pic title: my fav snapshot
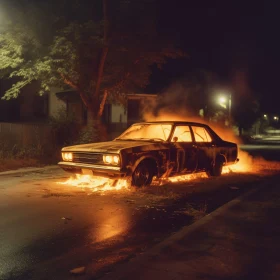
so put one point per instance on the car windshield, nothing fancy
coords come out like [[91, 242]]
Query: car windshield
[[154, 132]]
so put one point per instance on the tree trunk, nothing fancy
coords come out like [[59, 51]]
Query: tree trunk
[[104, 52], [95, 110], [95, 127]]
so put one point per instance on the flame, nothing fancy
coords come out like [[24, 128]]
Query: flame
[[96, 183], [179, 179], [245, 164], [100, 184]]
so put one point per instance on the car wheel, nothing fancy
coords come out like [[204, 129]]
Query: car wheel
[[142, 175], [216, 169]]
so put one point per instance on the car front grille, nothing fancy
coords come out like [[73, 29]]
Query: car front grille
[[89, 158]]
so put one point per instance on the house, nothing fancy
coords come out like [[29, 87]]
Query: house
[[28, 115], [116, 117]]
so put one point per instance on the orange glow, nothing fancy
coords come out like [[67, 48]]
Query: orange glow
[[245, 163], [100, 184], [179, 179], [97, 184]]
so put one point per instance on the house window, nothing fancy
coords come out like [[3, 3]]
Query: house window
[[133, 110]]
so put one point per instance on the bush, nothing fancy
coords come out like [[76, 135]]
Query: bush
[[87, 135], [65, 129]]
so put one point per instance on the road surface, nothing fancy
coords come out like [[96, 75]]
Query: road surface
[[48, 228]]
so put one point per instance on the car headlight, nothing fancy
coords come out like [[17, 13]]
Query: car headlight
[[67, 156], [111, 159]]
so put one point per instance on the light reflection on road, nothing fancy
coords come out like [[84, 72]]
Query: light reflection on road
[[112, 226]]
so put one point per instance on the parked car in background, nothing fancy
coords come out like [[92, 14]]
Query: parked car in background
[[149, 149]]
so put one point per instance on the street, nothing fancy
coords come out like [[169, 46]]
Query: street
[[48, 227]]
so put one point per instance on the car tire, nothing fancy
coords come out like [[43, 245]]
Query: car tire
[[216, 168], [142, 175]]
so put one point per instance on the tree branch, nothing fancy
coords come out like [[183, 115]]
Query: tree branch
[[101, 108], [74, 86]]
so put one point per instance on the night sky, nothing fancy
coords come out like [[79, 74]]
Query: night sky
[[224, 37], [229, 36]]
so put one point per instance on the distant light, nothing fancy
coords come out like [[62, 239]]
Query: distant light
[[222, 99], [265, 116], [276, 118]]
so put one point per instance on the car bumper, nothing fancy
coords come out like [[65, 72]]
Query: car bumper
[[97, 170]]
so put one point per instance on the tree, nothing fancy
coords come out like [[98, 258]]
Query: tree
[[101, 59], [245, 109], [246, 114]]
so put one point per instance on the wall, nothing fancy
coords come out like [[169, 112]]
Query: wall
[[118, 114], [55, 104]]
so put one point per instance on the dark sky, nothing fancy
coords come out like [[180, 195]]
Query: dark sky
[[227, 37], [222, 36]]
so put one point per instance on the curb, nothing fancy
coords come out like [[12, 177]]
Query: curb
[[28, 170], [138, 262]]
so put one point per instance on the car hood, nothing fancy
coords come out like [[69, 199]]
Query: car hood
[[112, 146]]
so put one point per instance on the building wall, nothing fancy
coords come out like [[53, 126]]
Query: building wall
[[137, 104], [55, 105], [118, 114]]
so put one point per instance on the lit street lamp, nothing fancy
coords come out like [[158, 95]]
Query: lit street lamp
[[225, 102]]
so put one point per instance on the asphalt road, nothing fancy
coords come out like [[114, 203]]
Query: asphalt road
[[268, 152], [48, 229]]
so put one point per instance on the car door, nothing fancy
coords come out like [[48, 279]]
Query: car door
[[184, 152], [205, 146]]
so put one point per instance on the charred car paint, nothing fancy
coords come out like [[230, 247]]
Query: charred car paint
[[151, 149]]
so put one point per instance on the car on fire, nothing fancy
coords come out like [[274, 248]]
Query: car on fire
[[150, 149]]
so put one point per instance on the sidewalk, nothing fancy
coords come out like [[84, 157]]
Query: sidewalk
[[29, 169], [240, 240]]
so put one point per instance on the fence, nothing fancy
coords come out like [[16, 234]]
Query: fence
[[24, 134]]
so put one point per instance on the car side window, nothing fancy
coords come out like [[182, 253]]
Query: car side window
[[201, 134], [182, 133]]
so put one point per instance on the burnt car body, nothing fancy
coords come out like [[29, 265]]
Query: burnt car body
[[149, 149]]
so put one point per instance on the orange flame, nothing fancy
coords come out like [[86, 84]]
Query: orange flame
[[97, 184], [100, 184]]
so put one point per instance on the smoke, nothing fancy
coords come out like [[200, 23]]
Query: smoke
[[174, 105]]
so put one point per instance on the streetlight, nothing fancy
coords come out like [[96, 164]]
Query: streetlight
[[225, 102]]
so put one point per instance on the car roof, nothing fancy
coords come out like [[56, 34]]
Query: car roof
[[173, 122]]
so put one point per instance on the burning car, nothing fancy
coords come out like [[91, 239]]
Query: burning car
[[149, 149]]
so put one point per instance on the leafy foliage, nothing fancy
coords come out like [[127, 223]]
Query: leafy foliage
[[125, 42]]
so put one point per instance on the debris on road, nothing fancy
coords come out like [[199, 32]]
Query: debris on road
[[66, 219], [78, 270]]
